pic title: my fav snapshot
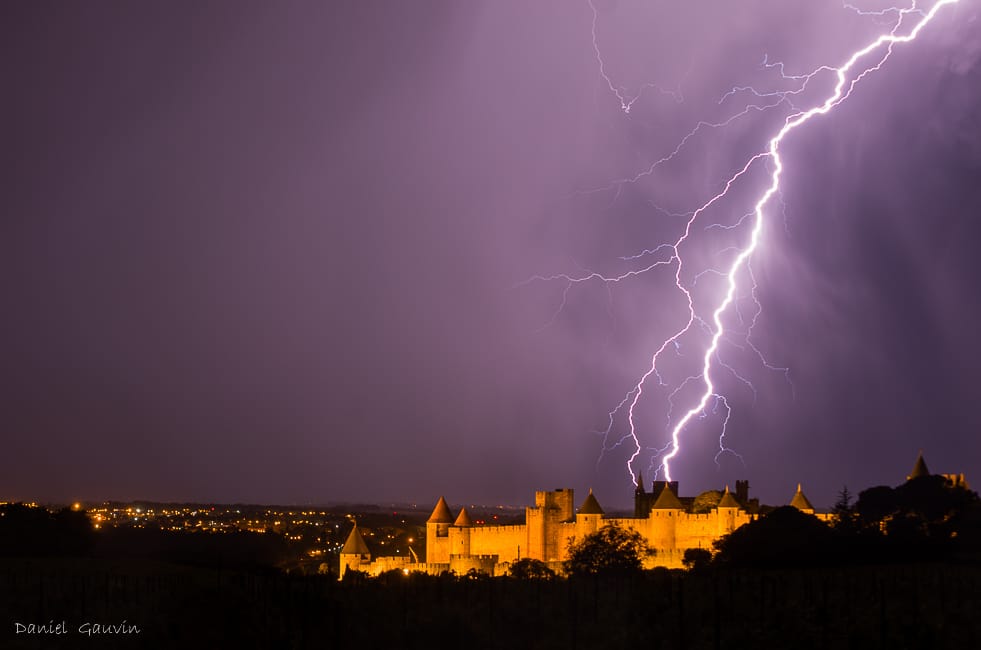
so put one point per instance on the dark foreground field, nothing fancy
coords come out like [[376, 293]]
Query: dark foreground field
[[916, 606]]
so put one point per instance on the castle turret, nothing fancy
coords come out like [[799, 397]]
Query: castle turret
[[438, 532], [355, 552], [950, 480], [664, 515], [460, 535], [919, 468], [659, 486], [728, 501], [801, 502], [542, 520], [642, 500], [667, 500], [742, 491], [589, 516], [463, 520], [728, 508]]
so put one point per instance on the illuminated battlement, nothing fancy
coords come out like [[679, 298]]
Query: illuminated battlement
[[671, 525]]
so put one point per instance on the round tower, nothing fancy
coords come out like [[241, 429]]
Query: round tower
[[801, 502], [437, 533], [665, 512], [727, 509], [460, 535], [919, 468], [589, 517], [355, 553]]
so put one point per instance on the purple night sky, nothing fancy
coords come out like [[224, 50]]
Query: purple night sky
[[275, 253]]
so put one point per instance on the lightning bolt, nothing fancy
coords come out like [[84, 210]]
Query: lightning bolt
[[626, 100], [842, 90], [847, 75]]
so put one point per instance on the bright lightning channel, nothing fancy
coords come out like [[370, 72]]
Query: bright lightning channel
[[842, 90], [669, 253]]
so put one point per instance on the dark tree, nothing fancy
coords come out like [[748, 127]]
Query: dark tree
[[706, 502], [784, 538], [474, 574], [931, 499], [696, 559], [354, 577], [609, 550], [392, 576], [845, 518], [875, 504], [34, 531], [924, 507], [530, 569]]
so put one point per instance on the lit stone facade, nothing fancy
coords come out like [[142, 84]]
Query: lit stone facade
[[669, 524], [455, 544]]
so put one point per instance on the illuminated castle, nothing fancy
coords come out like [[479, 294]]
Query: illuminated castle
[[671, 525]]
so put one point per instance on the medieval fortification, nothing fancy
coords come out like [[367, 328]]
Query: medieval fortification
[[670, 524]]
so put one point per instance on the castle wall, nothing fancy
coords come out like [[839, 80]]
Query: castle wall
[[564, 534], [661, 529], [459, 540], [432, 568], [561, 500], [382, 564], [386, 563], [671, 532], [438, 543], [550, 525], [507, 542], [480, 563], [587, 525], [352, 562], [551, 509], [701, 531]]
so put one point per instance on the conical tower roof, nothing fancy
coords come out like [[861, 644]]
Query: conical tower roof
[[463, 519], [800, 501], [355, 543], [441, 513], [590, 506], [728, 501], [919, 468], [667, 500]]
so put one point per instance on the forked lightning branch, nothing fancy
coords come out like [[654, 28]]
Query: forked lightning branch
[[903, 25]]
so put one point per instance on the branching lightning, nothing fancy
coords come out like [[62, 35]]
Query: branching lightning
[[626, 100], [903, 26]]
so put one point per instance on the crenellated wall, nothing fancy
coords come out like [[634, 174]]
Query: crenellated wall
[[548, 532], [507, 542], [461, 565], [552, 510], [551, 524]]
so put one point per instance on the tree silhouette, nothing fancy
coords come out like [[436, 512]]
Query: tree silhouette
[[611, 549], [786, 537], [696, 559], [924, 507], [530, 569], [706, 502], [29, 530], [876, 504], [845, 518]]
